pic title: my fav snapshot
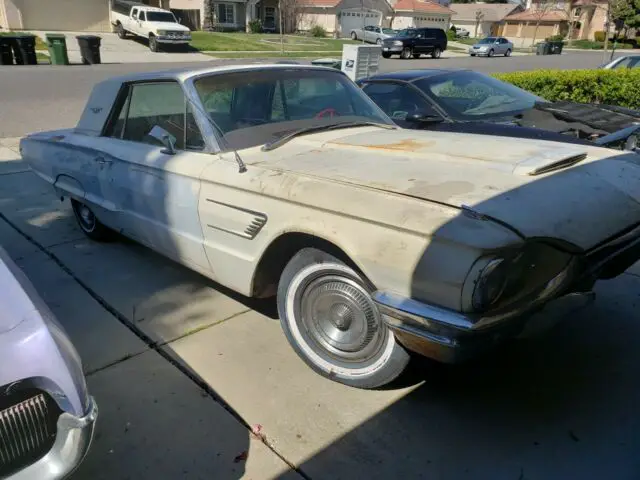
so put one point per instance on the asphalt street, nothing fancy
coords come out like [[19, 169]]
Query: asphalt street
[[45, 97]]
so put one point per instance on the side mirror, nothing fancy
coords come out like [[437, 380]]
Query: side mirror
[[424, 118], [165, 138]]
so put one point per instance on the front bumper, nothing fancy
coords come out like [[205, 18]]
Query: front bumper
[[391, 49], [73, 439], [173, 40], [479, 53], [452, 337]]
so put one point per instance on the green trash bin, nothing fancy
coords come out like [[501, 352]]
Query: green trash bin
[[57, 46]]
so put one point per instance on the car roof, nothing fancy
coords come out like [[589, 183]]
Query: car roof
[[185, 73], [412, 75]]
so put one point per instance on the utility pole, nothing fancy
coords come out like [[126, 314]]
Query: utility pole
[[607, 23], [281, 27]]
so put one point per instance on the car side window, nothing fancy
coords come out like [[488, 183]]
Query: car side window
[[134, 13], [160, 104], [397, 100], [142, 16], [635, 62]]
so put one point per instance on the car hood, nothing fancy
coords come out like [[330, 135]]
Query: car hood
[[16, 303], [170, 26], [580, 194]]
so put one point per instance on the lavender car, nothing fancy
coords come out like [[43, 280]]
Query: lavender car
[[46, 415]]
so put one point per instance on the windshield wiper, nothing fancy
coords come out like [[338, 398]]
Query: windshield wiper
[[278, 142]]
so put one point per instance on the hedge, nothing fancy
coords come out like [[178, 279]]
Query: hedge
[[611, 87]]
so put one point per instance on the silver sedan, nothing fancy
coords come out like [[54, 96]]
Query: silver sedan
[[490, 46], [627, 61], [372, 34]]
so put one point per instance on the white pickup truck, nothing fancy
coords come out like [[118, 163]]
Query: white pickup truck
[[159, 26]]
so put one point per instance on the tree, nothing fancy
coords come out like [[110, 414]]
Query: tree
[[208, 21], [541, 9], [479, 18], [627, 12]]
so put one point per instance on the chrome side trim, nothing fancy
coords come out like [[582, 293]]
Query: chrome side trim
[[71, 445], [258, 221]]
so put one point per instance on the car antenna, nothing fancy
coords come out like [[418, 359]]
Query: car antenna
[[242, 167]]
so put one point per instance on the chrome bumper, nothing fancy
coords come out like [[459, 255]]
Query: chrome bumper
[[174, 40], [69, 449], [452, 337]]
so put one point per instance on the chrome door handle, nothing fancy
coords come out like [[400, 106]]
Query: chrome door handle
[[103, 161]]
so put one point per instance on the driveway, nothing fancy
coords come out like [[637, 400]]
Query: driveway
[[130, 50]]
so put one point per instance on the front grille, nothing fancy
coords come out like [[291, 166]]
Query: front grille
[[27, 429]]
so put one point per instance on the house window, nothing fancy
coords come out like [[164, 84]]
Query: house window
[[226, 13], [577, 11]]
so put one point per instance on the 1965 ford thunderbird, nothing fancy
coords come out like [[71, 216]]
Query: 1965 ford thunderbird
[[287, 181]]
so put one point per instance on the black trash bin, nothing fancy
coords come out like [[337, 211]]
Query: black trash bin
[[556, 47], [543, 48], [24, 48], [90, 49], [6, 51]]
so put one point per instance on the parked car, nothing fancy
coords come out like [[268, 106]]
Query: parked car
[[626, 61], [461, 32], [372, 34], [490, 46], [160, 27], [464, 101], [287, 181], [46, 414], [413, 42]]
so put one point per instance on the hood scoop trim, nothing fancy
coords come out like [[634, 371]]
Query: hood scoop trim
[[548, 163]]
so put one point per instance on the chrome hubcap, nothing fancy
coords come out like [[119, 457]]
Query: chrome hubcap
[[86, 217], [340, 318]]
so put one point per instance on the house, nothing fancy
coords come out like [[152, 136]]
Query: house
[[62, 15], [583, 17], [340, 17], [489, 18]]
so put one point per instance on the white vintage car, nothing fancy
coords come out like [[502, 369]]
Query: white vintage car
[[288, 181]]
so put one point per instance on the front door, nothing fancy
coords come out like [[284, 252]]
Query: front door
[[157, 192]]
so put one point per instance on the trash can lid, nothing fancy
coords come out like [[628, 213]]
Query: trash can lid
[[88, 37], [55, 35]]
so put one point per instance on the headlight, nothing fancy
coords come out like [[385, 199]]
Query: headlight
[[162, 33], [482, 48], [506, 277], [397, 43]]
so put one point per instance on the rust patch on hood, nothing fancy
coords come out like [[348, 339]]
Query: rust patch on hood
[[408, 145]]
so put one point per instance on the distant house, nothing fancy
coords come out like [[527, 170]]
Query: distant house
[[489, 18], [340, 17], [585, 16]]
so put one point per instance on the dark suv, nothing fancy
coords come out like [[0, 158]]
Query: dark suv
[[414, 42]]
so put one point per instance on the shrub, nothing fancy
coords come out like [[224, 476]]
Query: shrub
[[255, 26], [555, 38], [612, 87], [318, 31], [451, 34], [598, 36]]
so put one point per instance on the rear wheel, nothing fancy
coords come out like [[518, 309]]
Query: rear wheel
[[89, 223], [122, 34], [436, 52], [386, 55], [333, 324], [406, 53], [507, 53]]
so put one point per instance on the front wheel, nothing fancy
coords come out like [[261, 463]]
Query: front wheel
[[436, 53], [89, 223], [379, 41], [153, 43], [354, 36], [406, 53], [507, 53], [333, 324], [491, 52]]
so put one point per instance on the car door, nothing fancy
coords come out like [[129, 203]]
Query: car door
[[429, 40], [155, 191], [368, 34], [134, 23]]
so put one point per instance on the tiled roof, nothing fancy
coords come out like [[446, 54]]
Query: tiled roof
[[492, 12], [319, 3], [421, 6], [533, 16]]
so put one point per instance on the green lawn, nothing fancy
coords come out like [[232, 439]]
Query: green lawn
[[40, 45], [221, 42]]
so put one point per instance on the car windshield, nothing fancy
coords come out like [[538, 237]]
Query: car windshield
[[256, 107], [160, 17], [484, 41], [407, 33], [474, 96]]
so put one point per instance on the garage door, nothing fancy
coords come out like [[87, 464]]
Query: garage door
[[352, 19], [70, 15]]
